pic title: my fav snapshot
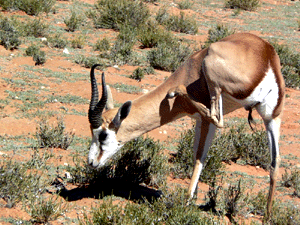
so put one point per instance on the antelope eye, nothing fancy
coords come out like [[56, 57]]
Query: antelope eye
[[102, 137]]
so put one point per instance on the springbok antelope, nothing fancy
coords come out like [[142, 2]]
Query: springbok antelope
[[241, 70]]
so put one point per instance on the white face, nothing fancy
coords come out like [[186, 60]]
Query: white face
[[104, 146]]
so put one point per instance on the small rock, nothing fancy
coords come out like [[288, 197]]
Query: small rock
[[66, 51], [68, 175], [145, 91]]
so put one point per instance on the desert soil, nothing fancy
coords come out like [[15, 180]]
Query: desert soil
[[13, 124]]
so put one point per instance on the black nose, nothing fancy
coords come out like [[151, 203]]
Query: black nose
[[90, 164]]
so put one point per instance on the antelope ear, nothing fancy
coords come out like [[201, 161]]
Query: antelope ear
[[110, 100], [122, 113]]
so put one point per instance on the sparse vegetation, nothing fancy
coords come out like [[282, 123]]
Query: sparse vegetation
[[88, 62], [39, 57], [139, 161], [185, 4], [217, 33], [57, 41], [249, 5], [44, 210], [122, 50], [74, 21], [168, 55], [16, 183], [151, 35], [180, 23], [113, 14], [138, 74], [35, 28], [236, 143], [233, 198], [292, 180], [31, 7], [9, 35], [169, 209], [144, 35], [290, 65], [78, 41], [53, 136], [102, 45]]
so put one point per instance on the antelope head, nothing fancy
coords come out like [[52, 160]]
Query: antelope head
[[104, 126]]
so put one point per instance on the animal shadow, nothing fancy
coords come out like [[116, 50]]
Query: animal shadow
[[107, 187]]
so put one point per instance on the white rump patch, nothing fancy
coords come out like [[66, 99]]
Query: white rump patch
[[266, 93]]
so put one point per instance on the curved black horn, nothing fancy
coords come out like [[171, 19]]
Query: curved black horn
[[96, 108]]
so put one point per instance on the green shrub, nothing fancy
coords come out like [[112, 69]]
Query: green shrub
[[17, 183], [39, 57], [233, 197], [182, 24], [258, 203], [56, 136], [31, 7], [149, 70], [102, 45], [138, 74], [35, 27], [122, 51], [139, 161], [74, 21], [240, 143], [35, 7], [9, 35], [151, 35], [217, 33], [112, 14], [57, 41], [8, 5], [168, 55], [249, 5], [292, 179], [290, 65], [235, 143], [78, 42], [142, 161], [184, 159], [88, 62], [32, 50], [177, 23], [43, 210], [185, 4], [285, 214], [151, 1], [212, 197], [170, 209]]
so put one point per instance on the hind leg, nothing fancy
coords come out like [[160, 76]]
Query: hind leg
[[273, 132]]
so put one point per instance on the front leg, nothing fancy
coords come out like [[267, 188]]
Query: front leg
[[204, 134], [198, 106]]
